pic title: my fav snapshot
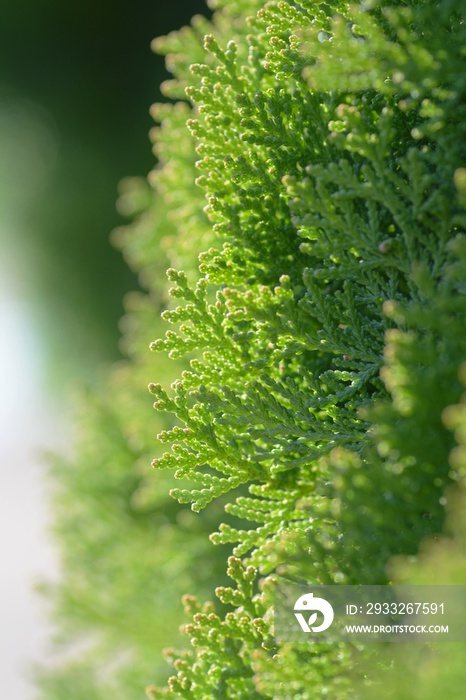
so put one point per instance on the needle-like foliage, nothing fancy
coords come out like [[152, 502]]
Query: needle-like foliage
[[310, 204]]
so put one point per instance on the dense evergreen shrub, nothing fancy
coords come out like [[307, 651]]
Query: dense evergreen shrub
[[311, 215]]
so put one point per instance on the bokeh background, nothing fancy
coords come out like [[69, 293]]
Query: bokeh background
[[76, 83]]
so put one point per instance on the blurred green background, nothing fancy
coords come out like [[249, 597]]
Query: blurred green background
[[76, 84]]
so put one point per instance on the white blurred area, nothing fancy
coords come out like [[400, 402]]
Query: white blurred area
[[30, 423]]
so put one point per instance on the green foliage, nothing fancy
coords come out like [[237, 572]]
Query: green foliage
[[316, 341]]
